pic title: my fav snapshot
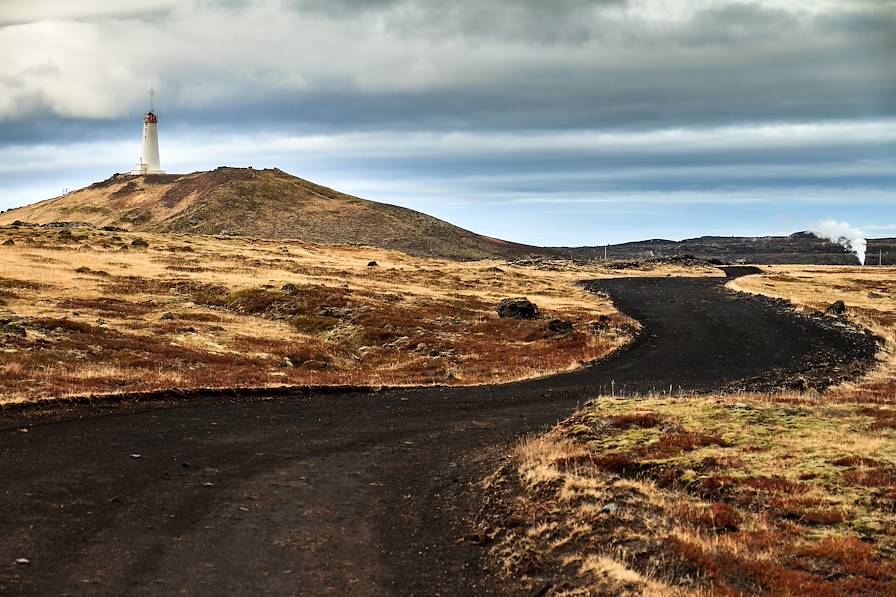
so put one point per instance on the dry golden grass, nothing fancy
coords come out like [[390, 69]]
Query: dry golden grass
[[869, 294], [100, 315], [785, 494], [705, 495]]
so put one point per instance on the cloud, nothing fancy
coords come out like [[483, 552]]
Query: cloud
[[772, 104], [464, 65], [15, 11]]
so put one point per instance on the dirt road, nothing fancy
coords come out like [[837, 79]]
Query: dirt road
[[362, 494]]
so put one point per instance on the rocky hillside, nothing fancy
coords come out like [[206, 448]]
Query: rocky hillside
[[260, 203]]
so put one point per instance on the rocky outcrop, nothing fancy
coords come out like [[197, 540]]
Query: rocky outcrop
[[517, 308]]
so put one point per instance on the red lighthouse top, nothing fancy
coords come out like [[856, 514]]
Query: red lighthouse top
[[150, 117]]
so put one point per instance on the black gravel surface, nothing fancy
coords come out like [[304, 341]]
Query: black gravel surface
[[349, 494]]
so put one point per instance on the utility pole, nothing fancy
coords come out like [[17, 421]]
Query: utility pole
[[605, 252]]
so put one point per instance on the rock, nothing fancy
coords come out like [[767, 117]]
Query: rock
[[69, 225], [167, 315], [139, 242], [8, 242], [313, 365], [14, 329], [610, 508], [64, 233], [114, 229], [290, 288], [23, 562], [837, 308], [287, 363], [800, 384], [871, 295], [517, 308], [372, 264], [560, 327]]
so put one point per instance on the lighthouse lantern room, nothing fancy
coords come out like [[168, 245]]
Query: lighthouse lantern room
[[149, 161]]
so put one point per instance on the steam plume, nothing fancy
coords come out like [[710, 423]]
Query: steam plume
[[844, 235]]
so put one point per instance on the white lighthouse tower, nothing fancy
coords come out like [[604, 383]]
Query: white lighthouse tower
[[149, 161]]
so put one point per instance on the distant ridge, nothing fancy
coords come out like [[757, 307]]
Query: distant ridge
[[798, 248], [265, 203]]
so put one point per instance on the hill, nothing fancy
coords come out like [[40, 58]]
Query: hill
[[798, 248], [272, 204], [265, 203]]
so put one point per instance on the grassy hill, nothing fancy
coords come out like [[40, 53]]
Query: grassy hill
[[265, 203]]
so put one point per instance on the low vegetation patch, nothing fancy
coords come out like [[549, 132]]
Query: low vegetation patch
[[739, 494], [869, 295], [84, 313], [702, 495]]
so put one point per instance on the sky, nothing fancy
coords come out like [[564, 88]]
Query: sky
[[561, 122]]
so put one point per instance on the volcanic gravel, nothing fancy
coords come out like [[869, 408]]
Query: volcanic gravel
[[365, 493]]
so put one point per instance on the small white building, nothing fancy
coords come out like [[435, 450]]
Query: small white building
[[149, 161]]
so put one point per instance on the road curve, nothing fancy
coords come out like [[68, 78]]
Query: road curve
[[359, 494]]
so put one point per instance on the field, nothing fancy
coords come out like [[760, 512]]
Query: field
[[787, 494], [869, 294], [87, 311]]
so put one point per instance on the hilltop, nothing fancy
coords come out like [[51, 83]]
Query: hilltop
[[272, 204], [266, 203]]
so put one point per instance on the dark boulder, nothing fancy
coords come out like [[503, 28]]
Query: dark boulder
[[517, 308], [290, 288], [139, 242], [838, 308], [372, 264], [560, 327], [8, 242]]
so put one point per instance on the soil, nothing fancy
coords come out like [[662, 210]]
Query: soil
[[364, 493]]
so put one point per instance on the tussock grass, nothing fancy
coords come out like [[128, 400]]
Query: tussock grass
[[783, 494], [869, 294], [199, 311], [705, 495]]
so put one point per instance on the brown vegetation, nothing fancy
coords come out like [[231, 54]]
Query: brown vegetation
[[265, 203], [86, 312], [715, 495], [784, 494]]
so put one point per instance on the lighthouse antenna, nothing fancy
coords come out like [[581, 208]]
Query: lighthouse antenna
[[152, 92]]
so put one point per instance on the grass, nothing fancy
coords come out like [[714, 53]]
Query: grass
[[784, 494], [706, 494], [869, 294], [86, 312]]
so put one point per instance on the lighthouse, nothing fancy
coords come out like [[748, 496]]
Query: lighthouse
[[149, 161]]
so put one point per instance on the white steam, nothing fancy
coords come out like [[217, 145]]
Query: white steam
[[844, 235]]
